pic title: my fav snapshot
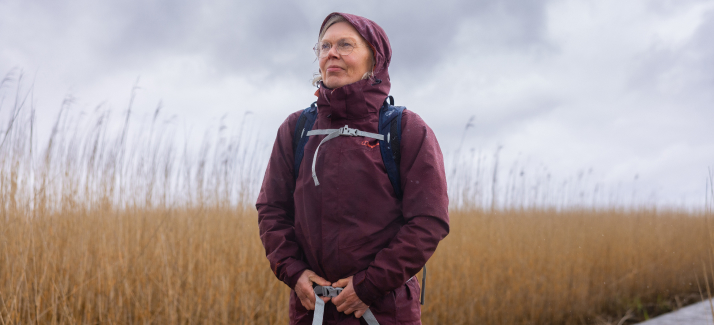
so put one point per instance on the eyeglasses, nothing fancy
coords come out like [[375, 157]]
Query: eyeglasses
[[344, 47]]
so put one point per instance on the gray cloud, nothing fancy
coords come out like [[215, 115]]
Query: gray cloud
[[422, 35], [275, 37]]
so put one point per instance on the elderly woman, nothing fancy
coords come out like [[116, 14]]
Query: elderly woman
[[351, 230]]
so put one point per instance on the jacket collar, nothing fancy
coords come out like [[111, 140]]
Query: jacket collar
[[358, 100]]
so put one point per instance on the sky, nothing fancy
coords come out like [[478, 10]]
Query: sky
[[619, 91]]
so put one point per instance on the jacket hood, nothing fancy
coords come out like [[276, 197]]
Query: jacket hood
[[363, 97]]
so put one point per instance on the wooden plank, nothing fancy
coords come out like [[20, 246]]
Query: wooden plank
[[696, 314]]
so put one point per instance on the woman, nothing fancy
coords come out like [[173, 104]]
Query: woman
[[351, 231]]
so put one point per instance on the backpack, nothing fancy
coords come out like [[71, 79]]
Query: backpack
[[390, 126]]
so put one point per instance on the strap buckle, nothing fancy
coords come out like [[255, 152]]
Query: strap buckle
[[347, 131], [327, 291]]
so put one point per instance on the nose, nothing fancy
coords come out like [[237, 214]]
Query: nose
[[332, 52]]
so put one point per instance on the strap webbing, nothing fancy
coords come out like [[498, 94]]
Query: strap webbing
[[333, 133], [369, 317], [347, 132], [320, 312]]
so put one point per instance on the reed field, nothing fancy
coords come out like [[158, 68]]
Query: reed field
[[104, 225]]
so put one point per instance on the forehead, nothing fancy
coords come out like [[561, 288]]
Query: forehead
[[341, 30]]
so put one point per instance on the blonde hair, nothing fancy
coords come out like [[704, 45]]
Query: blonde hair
[[317, 77]]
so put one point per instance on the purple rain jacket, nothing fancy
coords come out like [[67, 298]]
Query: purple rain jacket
[[352, 224]]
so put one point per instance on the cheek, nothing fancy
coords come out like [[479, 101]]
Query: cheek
[[353, 66], [361, 64]]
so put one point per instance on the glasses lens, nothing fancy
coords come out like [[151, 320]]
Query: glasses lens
[[322, 48], [344, 48], [316, 49]]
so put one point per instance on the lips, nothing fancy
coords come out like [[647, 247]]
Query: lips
[[334, 68]]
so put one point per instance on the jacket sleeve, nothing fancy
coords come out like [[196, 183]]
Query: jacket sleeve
[[276, 209], [425, 210]]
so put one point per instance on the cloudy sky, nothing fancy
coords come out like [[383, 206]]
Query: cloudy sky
[[623, 90]]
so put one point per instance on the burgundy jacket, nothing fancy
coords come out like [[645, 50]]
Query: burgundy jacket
[[352, 223]]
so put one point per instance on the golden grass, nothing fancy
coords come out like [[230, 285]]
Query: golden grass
[[207, 265], [138, 266], [574, 267]]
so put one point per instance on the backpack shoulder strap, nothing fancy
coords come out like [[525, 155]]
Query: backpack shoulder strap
[[304, 124], [390, 125]]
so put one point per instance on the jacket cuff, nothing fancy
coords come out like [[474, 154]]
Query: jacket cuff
[[365, 290], [293, 273]]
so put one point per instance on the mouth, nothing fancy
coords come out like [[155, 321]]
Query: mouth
[[334, 68]]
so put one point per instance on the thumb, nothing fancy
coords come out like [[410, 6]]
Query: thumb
[[319, 280], [341, 283]]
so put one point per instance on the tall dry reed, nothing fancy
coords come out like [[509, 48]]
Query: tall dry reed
[[160, 266], [574, 267]]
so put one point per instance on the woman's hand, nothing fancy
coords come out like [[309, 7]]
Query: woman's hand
[[304, 291], [347, 301]]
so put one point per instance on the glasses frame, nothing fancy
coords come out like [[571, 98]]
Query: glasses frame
[[340, 49]]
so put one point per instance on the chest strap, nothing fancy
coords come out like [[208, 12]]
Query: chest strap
[[328, 291], [333, 133]]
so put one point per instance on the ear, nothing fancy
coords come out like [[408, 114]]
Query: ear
[[374, 54]]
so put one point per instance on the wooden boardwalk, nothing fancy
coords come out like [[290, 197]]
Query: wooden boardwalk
[[696, 314]]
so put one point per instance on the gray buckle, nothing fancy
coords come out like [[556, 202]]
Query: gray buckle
[[327, 291], [348, 132]]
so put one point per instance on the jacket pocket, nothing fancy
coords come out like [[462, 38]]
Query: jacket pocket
[[384, 309], [407, 303], [297, 313]]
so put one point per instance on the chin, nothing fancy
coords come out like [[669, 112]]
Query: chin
[[333, 83]]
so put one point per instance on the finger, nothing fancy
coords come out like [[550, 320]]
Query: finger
[[341, 283], [341, 307], [325, 299], [306, 294], [319, 280], [339, 300], [306, 304], [359, 313]]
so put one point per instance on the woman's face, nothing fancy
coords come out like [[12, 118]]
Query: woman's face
[[338, 70]]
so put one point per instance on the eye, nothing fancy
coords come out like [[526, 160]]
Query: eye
[[344, 44], [325, 46]]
